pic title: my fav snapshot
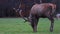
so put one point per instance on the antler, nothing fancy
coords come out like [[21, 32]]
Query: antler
[[26, 19]]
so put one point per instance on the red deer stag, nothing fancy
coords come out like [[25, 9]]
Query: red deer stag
[[43, 10]]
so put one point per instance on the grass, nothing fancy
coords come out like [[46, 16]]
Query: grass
[[17, 26]]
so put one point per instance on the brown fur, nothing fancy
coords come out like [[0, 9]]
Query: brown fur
[[44, 10]]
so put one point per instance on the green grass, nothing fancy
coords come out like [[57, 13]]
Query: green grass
[[17, 26]]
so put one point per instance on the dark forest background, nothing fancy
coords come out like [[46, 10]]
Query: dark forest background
[[6, 6]]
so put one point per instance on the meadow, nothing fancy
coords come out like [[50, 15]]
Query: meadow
[[17, 26]]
